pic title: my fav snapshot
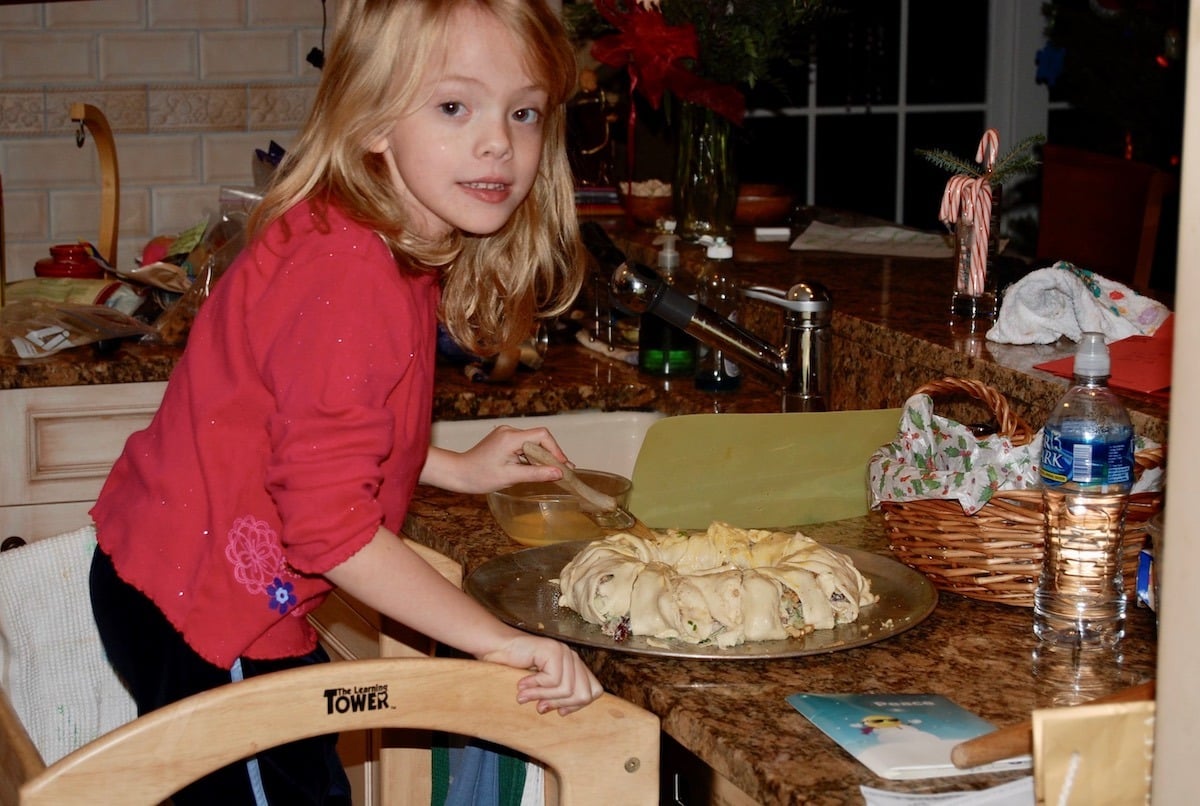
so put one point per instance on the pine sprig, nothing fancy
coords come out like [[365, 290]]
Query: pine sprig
[[949, 162], [1017, 160]]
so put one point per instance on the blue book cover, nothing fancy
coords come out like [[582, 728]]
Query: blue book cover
[[900, 736]]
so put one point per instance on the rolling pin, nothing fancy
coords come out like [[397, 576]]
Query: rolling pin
[[1017, 740]]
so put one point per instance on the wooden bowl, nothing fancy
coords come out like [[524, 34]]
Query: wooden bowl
[[762, 205], [647, 210]]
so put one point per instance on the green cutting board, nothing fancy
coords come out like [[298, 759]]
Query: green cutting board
[[757, 470]]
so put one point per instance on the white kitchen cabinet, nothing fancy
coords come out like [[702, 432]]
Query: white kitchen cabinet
[[57, 445]]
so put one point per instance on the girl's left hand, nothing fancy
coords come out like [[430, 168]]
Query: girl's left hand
[[560, 680], [494, 462]]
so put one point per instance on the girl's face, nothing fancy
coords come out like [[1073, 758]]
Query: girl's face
[[467, 156]]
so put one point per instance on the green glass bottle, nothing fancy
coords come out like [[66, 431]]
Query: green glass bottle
[[664, 349]]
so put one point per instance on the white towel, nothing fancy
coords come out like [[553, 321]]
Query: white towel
[[1065, 300], [52, 664]]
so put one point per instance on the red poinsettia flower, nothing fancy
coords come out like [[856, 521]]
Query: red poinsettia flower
[[655, 55]]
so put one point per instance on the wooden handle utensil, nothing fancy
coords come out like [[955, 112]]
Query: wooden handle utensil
[[1017, 740], [600, 505]]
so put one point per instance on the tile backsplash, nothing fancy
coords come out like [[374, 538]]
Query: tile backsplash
[[190, 89]]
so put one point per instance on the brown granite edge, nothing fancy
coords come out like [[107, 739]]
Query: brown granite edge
[[865, 362]]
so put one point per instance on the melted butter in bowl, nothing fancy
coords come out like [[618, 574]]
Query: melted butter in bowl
[[542, 513], [555, 526]]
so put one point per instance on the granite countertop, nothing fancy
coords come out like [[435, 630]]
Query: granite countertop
[[892, 329], [733, 714], [891, 334]]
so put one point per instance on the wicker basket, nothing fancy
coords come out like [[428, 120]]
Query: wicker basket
[[996, 554]]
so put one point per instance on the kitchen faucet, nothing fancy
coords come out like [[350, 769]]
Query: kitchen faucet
[[799, 366]]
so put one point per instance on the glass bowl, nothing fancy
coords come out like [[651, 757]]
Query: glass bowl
[[541, 513]]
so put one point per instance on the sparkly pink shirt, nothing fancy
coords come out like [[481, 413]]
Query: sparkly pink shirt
[[296, 422]]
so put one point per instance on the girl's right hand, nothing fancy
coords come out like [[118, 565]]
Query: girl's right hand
[[561, 681], [494, 462]]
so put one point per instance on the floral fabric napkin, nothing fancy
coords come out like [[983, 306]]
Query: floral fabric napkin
[[934, 457]]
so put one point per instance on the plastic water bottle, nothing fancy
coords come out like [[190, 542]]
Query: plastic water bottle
[[716, 288], [1087, 474]]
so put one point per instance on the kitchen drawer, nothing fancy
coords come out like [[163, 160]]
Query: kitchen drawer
[[60, 442]]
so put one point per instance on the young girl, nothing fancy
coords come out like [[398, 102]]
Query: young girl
[[296, 424]]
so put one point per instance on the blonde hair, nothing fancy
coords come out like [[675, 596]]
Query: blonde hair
[[494, 286]]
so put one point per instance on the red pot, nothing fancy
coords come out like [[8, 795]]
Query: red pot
[[69, 260]]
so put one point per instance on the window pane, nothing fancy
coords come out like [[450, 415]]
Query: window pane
[[947, 51], [956, 132], [774, 150], [856, 166], [858, 61]]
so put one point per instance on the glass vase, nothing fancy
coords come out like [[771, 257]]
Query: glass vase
[[705, 185], [974, 296]]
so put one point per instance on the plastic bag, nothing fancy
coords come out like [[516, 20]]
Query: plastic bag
[[36, 328], [220, 245]]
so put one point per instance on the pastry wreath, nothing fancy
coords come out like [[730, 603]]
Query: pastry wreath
[[725, 586]]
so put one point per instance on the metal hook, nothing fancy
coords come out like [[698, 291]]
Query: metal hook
[[80, 135]]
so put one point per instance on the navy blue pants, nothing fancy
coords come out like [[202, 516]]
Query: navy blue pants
[[159, 667]]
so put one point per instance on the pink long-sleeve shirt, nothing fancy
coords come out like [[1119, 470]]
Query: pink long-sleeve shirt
[[296, 423]]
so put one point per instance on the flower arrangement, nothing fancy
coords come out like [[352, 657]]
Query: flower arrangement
[[705, 53], [702, 51]]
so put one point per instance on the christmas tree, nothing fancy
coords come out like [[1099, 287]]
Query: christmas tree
[[1120, 66]]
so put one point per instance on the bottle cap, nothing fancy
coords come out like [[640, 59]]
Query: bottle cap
[[719, 250], [1091, 356]]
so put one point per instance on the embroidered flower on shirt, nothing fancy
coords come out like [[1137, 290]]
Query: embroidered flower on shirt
[[281, 595], [254, 552]]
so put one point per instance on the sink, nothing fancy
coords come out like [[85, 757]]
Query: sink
[[598, 440]]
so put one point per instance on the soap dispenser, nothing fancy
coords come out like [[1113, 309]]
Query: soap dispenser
[[668, 255], [663, 348], [716, 288]]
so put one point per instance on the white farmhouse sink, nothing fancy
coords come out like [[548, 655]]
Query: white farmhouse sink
[[593, 439]]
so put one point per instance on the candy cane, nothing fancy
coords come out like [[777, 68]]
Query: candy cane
[[985, 155], [967, 214], [982, 201], [989, 146], [952, 199]]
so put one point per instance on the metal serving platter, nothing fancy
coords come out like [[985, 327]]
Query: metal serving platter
[[519, 589]]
